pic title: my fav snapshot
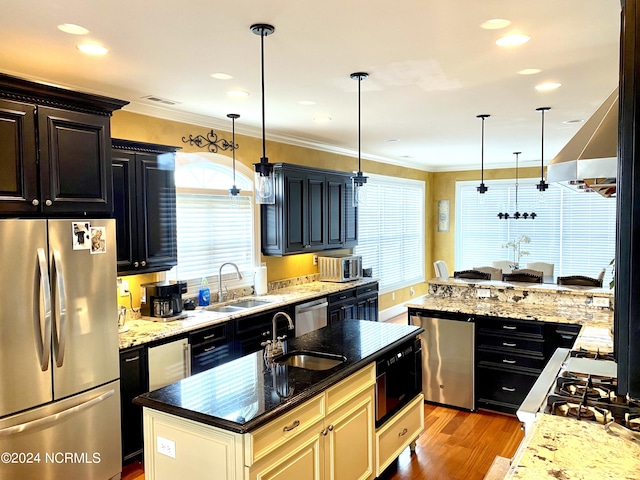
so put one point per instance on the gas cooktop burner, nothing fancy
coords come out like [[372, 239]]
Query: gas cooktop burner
[[597, 355]]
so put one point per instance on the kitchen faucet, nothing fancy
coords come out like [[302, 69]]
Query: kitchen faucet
[[221, 295], [273, 347]]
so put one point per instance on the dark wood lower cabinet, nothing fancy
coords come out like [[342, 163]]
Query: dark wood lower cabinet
[[134, 380]]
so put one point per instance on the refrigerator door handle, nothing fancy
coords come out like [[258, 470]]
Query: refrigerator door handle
[[56, 417], [43, 341], [61, 302]]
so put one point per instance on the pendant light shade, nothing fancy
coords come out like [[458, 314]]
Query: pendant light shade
[[358, 181], [517, 215], [542, 186], [482, 188], [265, 187], [233, 191]]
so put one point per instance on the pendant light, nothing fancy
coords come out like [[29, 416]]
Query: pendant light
[[542, 186], [517, 215], [265, 188], [233, 191], [358, 181], [482, 188]]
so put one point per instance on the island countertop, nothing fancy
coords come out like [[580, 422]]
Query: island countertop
[[245, 393]]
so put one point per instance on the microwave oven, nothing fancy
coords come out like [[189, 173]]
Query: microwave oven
[[340, 269]]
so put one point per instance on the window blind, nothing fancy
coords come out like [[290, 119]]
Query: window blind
[[574, 231], [391, 231]]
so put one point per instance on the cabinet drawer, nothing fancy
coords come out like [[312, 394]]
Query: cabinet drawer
[[502, 387], [342, 296], [510, 344], [212, 334], [367, 289], [507, 359], [208, 355], [277, 432], [509, 327], [395, 435], [350, 387]]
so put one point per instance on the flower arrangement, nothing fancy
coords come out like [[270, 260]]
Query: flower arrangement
[[516, 246]]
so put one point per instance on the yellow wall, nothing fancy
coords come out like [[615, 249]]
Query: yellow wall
[[132, 126]]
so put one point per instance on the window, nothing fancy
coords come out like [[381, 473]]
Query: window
[[574, 231], [391, 231], [211, 228]]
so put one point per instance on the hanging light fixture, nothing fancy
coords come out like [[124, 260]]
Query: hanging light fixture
[[233, 191], [542, 186], [482, 188], [265, 189], [517, 215], [358, 181]]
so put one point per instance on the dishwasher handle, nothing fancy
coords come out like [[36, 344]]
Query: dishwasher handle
[[312, 306]]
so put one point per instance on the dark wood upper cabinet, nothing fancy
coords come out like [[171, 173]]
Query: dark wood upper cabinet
[[144, 195], [312, 212], [54, 150]]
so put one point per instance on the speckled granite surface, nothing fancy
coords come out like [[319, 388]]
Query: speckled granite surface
[[551, 312], [567, 449], [522, 293], [143, 331]]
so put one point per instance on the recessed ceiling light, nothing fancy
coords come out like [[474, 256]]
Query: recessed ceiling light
[[573, 122], [92, 49], [495, 24], [392, 140], [406, 156], [512, 40], [221, 76], [545, 87], [307, 102], [73, 29], [322, 119], [237, 93], [529, 71]]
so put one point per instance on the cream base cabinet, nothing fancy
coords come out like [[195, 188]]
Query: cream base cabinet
[[330, 436]]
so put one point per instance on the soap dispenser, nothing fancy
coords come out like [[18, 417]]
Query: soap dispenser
[[204, 294]]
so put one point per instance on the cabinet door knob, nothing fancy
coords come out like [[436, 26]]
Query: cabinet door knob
[[35, 202], [143, 263], [136, 264], [48, 203]]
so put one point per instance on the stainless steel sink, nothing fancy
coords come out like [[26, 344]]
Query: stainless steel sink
[[249, 303], [225, 309], [310, 360]]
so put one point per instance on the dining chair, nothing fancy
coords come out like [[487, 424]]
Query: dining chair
[[580, 280], [545, 268], [441, 269], [504, 265], [520, 276], [496, 273], [537, 273], [472, 274]]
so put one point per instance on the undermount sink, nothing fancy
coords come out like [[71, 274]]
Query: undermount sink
[[225, 309], [310, 360], [249, 303]]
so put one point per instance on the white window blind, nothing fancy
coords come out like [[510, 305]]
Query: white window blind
[[391, 231], [211, 228], [574, 231]]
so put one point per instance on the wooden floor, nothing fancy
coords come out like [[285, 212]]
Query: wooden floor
[[455, 445]]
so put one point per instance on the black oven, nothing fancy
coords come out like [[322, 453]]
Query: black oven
[[398, 379]]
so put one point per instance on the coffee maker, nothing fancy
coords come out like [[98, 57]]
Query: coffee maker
[[162, 300]]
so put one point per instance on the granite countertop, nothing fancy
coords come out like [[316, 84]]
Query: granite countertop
[[561, 448], [541, 287], [245, 393], [141, 331], [544, 313]]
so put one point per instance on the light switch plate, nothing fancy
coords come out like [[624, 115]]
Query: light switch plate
[[166, 447], [124, 288], [483, 292], [601, 302]]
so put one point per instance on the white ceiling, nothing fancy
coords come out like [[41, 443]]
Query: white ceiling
[[432, 69]]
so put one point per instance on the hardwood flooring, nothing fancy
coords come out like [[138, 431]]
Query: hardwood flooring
[[455, 445]]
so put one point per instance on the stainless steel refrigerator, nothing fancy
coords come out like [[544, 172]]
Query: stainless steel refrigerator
[[59, 367]]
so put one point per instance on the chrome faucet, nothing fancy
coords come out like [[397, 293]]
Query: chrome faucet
[[273, 347], [222, 295]]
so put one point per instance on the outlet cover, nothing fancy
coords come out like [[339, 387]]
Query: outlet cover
[[315, 259], [124, 288], [601, 302], [166, 447], [483, 292]]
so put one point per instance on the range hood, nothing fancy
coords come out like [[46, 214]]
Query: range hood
[[588, 162]]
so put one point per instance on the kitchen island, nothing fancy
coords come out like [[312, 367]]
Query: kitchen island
[[248, 417]]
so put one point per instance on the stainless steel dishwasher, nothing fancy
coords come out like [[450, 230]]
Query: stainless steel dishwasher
[[448, 357], [311, 316]]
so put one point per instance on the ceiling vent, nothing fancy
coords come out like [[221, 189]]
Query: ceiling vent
[[164, 101]]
